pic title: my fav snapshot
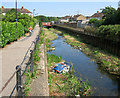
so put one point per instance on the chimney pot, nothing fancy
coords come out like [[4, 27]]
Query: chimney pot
[[97, 11], [22, 7]]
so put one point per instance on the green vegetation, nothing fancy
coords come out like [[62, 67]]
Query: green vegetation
[[111, 16], [107, 62], [96, 22], [9, 28], [110, 32], [9, 33], [49, 36], [63, 84], [55, 31], [24, 19], [109, 26], [32, 75], [42, 18], [92, 30]]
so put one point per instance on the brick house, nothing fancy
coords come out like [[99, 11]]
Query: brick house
[[97, 15], [21, 10]]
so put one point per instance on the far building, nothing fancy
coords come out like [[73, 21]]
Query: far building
[[21, 10], [97, 15], [79, 18], [65, 19]]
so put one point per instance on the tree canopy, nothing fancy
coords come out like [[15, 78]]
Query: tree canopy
[[42, 18], [96, 22], [111, 16]]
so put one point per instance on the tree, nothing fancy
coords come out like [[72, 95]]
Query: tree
[[108, 12], [42, 18], [96, 22], [24, 19], [109, 15]]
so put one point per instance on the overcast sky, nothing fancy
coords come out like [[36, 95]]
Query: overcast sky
[[61, 8]]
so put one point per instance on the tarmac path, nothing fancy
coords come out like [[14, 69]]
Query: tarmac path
[[13, 55]]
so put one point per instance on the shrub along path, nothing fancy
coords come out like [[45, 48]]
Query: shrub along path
[[13, 55]]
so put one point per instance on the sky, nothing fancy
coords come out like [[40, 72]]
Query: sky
[[62, 7]]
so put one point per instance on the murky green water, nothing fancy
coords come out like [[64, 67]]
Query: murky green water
[[102, 83]]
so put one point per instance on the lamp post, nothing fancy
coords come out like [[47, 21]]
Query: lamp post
[[16, 17], [33, 15], [33, 12], [37, 17]]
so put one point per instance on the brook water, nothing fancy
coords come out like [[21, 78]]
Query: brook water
[[102, 84]]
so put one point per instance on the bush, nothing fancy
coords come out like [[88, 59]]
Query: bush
[[40, 24], [96, 22], [24, 19], [110, 31], [90, 29], [9, 32]]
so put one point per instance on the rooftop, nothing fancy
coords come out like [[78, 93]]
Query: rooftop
[[21, 10], [98, 14]]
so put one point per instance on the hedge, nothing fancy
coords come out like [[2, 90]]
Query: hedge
[[9, 32], [110, 32]]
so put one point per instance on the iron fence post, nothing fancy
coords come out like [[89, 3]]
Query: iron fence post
[[31, 58], [38, 36], [36, 43], [19, 81]]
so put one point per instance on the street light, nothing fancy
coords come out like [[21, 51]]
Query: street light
[[33, 12], [37, 17], [16, 17], [16, 14], [33, 15]]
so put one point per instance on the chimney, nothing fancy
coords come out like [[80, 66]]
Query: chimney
[[97, 12], [2, 7], [22, 8]]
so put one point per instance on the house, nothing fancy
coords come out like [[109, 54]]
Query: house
[[79, 18], [21, 10], [97, 15], [65, 19], [88, 17]]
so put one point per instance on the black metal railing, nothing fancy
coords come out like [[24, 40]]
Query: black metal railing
[[21, 73]]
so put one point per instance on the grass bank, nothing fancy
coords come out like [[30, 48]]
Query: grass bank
[[105, 60], [29, 76], [63, 84], [49, 36]]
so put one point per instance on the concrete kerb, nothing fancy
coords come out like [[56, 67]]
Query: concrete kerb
[[39, 86]]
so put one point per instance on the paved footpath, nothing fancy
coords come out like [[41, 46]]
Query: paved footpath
[[13, 55]]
